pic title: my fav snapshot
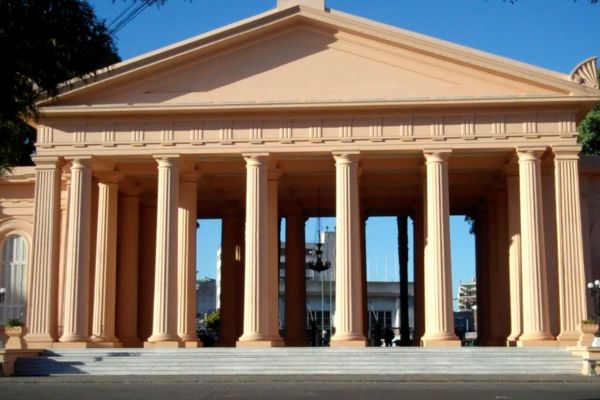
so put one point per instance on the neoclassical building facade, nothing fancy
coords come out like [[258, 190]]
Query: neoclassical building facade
[[248, 123]]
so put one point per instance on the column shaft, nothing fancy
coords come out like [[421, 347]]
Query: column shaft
[[42, 282], [186, 261], [164, 323], [103, 322], [295, 281], [535, 302], [514, 260], [348, 297], [76, 309], [419, 271], [230, 284], [439, 318], [261, 234], [127, 272], [571, 266]]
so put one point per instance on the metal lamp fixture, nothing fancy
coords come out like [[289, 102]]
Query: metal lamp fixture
[[595, 292], [319, 265]]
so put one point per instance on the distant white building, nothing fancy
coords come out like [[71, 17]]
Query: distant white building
[[467, 295]]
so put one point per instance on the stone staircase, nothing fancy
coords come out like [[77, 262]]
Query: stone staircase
[[301, 361]]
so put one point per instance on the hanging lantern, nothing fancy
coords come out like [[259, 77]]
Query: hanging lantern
[[319, 265]]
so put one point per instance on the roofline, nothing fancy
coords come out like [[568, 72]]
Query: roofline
[[154, 109], [425, 44]]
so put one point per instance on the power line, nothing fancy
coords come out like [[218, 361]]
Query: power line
[[128, 15]]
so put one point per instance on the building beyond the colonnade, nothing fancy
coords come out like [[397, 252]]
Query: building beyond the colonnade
[[248, 123]]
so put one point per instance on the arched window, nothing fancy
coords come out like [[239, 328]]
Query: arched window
[[12, 278]]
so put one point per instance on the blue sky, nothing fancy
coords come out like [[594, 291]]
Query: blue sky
[[554, 34]]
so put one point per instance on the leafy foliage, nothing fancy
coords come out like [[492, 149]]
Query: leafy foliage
[[13, 322], [213, 319], [589, 130], [43, 43]]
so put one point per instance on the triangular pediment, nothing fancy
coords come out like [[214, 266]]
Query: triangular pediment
[[306, 61]]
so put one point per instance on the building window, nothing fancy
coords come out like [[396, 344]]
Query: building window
[[12, 278]]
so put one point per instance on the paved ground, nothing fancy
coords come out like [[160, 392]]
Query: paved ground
[[301, 387]]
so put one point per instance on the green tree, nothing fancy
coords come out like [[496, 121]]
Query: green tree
[[589, 130], [43, 43]]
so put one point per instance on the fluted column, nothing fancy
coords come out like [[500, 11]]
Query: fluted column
[[419, 271], [103, 319], [571, 267], [348, 296], [295, 280], [439, 318], [514, 259], [164, 322], [77, 275], [186, 261], [535, 303], [272, 275], [127, 272], [258, 276], [43, 273], [230, 284]]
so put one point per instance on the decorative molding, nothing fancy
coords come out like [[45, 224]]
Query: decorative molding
[[376, 130], [585, 73], [405, 128], [391, 128], [197, 134]]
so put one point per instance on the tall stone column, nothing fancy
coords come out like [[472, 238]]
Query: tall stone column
[[295, 279], [186, 260], [402, 222], [164, 323], [363, 271], [43, 273], [514, 260], [439, 318], [76, 309], [64, 227], [419, 271], [105, 282], [571, 267], [348, 297], [258, 315], [501, 325], [535, 303], [273, 225], [230, 284], [128, 270]]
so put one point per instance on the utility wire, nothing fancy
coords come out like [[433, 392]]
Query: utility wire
[[128, 15]]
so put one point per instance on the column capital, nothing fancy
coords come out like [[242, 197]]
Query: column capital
[[294, 211], [256, 159], [274, 174], [79, 162], [47, 162], [166, 160], [345, 157], [436, 155], [109, 177], [566, 153], [526, 153], [131, 189]]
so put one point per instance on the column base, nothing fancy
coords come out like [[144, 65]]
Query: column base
[[537, 343], [295, 343], [166, 344], [259, 343], [348, 343], [440, 343], [568, 339], [107, 344], [191, 344], [70, 345], [39, 341]]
